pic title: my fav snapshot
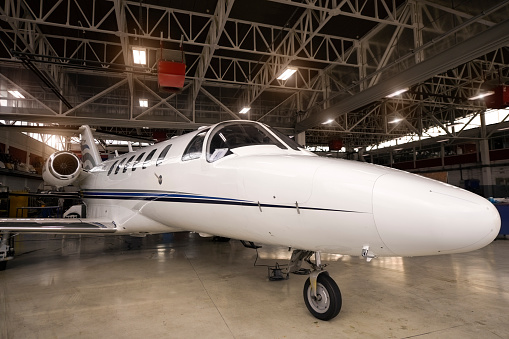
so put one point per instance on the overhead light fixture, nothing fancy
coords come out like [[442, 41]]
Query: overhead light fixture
[[327, 122], [481, 95], [17, 94], [395, 120], [401, 91], [503, 129], [443, 140], [143, 102], [139, 56], [287, 73], [244, 110]]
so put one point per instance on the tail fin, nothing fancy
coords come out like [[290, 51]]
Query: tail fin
[[89, 153]]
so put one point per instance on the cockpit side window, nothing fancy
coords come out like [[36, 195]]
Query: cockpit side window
[[194, 149], [234, 135]]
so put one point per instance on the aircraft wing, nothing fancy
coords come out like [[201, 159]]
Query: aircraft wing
[[57, 225]]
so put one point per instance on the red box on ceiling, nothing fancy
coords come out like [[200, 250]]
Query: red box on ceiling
[[171, 75], [500, 99]]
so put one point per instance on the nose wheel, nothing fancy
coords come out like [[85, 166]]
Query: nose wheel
[[321, 293], [327, 302]]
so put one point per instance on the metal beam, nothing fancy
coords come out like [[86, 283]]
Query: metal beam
[[216, 28], [487, 41], [94, 121], [219, 103]]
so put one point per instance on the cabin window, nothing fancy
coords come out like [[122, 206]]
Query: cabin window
[[128, 164], [147, 159], [162, 155], [119, 165], [137, 161], [233, 135], [111, 168], [194, 149]]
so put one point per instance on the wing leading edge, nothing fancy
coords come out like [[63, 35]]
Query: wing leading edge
[[57, 225]]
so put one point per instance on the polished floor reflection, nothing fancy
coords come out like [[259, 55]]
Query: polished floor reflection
[[183, 286]]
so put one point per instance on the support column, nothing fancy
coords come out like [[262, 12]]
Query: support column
[[414, 158], [301, 139], [442, 154], [484, 149]]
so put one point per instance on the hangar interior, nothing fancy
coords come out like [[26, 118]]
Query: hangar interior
[[422, 86]]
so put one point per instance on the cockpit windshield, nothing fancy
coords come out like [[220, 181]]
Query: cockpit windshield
[[232, 135], [289, 141]]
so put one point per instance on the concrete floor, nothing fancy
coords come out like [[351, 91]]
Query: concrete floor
[[183, 286]]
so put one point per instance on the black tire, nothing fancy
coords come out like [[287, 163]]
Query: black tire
[[330, 301], [3, 265]]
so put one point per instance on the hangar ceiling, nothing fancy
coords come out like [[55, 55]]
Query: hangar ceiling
[[72, 60]]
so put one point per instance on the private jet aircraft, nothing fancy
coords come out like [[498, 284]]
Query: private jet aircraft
[[245, 180]]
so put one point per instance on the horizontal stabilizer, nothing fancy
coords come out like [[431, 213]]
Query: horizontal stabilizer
[[57, 225]]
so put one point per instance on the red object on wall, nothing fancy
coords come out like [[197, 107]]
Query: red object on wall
[[171, 75], [159, 135], [335, 144], [498, 100]]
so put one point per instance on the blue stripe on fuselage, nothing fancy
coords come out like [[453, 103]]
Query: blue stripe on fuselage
[[190, 198]]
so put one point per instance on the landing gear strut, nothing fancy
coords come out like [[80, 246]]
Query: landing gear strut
[[321, 293], [6, 249]]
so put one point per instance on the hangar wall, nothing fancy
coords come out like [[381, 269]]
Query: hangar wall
[[33, 151]]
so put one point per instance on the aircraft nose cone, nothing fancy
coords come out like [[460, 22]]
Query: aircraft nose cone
[[420, 216]]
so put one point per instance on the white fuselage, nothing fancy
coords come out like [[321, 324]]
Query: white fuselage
[[289, 197]]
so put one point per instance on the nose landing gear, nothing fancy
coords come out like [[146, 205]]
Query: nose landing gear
[[321, 293], [324, 300]]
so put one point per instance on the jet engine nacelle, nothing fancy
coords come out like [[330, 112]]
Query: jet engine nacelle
[[61, 169]]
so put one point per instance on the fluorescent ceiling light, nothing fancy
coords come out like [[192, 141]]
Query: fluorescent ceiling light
[[503, 129], [140, 56], [244, 110], [481, 95], [17, 94], [143, 102], [287, 73], [327, 122], [443, 140], [401, 91], [395, 121]]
